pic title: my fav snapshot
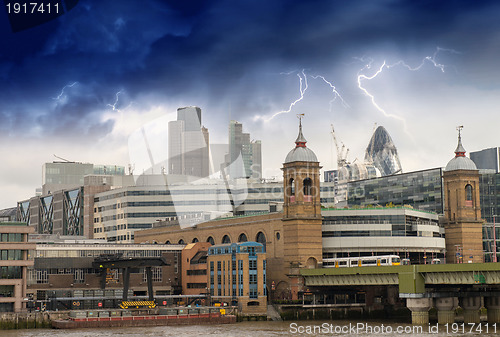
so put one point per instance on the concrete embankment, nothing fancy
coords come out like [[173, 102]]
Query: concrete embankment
[[32, 320]]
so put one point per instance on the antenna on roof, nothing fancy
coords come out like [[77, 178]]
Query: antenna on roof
[[66, 160]]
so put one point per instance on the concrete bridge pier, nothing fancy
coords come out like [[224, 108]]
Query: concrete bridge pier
[[492, 305], [446, 309], [471, 306], [419, 308]]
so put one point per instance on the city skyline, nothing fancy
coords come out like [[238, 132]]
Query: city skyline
[[99, 72]]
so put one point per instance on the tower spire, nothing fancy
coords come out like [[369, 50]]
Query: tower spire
[[301, 140], [460, 151]]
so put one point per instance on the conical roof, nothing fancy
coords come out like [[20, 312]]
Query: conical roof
[[301, 152], [460, 162]]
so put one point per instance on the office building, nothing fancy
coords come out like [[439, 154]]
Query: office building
[[14, 261], [489, 195], [194, 268], [244, 158], [382, 152], [8, 214], [188, 144], [421, 190], [402, 231], [68, 211], [58, 176], [237, 276], [487, 159]]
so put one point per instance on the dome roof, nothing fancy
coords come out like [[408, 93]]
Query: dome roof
[[460, 162], [301, 152]]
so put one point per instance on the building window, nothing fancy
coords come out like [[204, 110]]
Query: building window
[[253, 278], [291, 190], [468, 195], [211, 240], [307, 186], [226, 239], [261, 238], [156, 273], [242, 238]]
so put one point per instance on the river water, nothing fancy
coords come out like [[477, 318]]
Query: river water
[[259, 329]]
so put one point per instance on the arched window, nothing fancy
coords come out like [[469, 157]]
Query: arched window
[[311, 263], [261, 238], [181, 242], [194, 240], [242, 238], [226, 239], [211, 240], [291, 190], [468, 195], [307, 190], [167, 242]]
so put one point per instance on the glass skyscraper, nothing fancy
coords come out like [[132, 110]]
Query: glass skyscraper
[[188, 144], [422, 190]]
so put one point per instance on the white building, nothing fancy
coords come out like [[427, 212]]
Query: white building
[[401, 231]]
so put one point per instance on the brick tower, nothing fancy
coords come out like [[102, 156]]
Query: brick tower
[[462, 212], [301, 211]]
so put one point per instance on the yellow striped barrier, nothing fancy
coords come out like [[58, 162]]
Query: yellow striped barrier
[[137, 304]]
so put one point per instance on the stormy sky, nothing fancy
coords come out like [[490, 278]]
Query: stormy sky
[[79, 86]]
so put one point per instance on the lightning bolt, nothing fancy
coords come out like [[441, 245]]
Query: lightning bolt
[[113, 106], [303, 86], [336, 94], [362, 77], [62, 91]]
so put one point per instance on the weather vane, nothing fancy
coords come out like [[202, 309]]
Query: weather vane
[[300, 116], [459, 129]]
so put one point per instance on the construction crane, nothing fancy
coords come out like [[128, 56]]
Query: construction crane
[[341, 153]]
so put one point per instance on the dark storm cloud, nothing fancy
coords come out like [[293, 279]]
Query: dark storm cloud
[[214, 49]]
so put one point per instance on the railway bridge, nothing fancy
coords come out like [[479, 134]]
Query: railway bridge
[[443, 286]]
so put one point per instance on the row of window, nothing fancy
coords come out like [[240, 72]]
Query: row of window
[[11, 254], [158, 192], [260, 238], [11, 272], [196, 285], [382, 233], [11, 237], [41, 276], [75, 252], [156, 215]]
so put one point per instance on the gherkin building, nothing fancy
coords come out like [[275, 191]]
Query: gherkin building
[[382, 153]]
